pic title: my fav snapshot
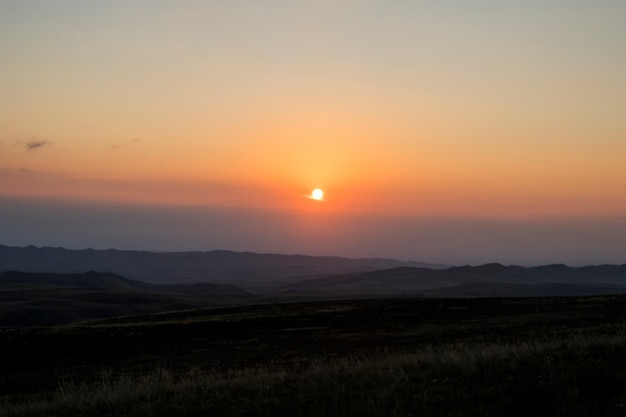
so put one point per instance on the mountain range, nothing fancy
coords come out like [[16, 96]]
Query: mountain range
[[251, 271], [57, 285], [54, 298], [486, 280]]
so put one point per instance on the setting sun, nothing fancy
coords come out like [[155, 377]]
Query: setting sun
[[327, 144], [317, 194]]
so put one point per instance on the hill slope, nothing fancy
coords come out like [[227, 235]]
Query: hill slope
[[251, 271], [501, 280], [43, 298]]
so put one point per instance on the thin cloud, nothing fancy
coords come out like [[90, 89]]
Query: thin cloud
[[36, 144], [124, 145]]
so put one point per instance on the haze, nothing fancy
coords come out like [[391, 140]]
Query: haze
[[449, 131]]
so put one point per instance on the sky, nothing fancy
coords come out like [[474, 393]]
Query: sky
[[448, 131]]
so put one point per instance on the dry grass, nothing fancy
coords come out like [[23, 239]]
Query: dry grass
[[580, 376]]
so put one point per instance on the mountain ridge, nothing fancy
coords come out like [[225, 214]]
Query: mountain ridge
[[246, 269], [28, 299], [279, 274], [409, 278]]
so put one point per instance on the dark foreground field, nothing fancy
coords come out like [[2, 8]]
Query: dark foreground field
[[387, 357]]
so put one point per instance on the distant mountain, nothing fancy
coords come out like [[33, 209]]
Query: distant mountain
[[248, 270], [489, 289], [47, 298], [92, 280], [465, 280], [233, 273], [87, 280]]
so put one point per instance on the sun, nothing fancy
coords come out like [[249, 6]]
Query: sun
[[317, 194]]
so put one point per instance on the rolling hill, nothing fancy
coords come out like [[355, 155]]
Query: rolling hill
[[485, 280], [49, 299], [56, 285], [251, 271]]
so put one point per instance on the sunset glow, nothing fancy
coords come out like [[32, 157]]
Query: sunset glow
[[489, 110], [317, 194]]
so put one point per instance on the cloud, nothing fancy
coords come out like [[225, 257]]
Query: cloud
[[36, 143], [125, 145]]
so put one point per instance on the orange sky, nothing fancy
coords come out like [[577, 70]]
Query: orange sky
[[486, 110]]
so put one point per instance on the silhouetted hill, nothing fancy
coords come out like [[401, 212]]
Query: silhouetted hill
[[494, 279], [90, 280], [111, 282], [250, 271], [28, 299], [488, 289]]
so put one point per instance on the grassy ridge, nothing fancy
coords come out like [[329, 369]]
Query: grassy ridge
[[387, 357], [582, 376]]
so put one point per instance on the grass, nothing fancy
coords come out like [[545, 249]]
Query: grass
[[583, 375], [562, 356]]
